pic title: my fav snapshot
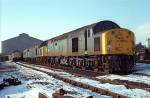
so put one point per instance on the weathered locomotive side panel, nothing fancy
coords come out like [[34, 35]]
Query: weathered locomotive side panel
[[31, 52], [26, 56], [36, 51], [74, 41], [43, 49], [90, 41], [80, 43], [60, 48], [50, 48], [26, 53], [97, 44]]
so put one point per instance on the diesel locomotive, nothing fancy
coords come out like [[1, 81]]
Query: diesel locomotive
[[100, 47]]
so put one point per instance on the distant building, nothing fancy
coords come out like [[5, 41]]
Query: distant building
[[140, 51], [148, 43], [19, 43]]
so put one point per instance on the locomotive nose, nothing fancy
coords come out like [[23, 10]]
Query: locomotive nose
[[118, 41]]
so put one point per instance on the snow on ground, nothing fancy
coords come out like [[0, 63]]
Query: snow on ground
[[131, 77], [28, 94], [139, 68], [142, 68], [35, 81], [13, 89], [121, 89]]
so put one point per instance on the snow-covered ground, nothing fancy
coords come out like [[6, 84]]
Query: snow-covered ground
[[121, 89], [131, 77], [142, 68], [34, 82], [139, 68]]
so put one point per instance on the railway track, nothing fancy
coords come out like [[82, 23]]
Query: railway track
[[141, 74], [81, 85], [75, 71], [126, 83], [92, 75], [144, 61]]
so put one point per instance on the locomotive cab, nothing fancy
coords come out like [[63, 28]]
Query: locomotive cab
[[117, 50], [118, 41], [114, 47]]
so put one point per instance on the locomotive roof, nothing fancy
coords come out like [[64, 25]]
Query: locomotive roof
[[104, 25], [43, 43], [97, 27], [16, 51]]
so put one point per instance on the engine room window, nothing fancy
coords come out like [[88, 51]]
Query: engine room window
[[89, 33], [97, 44], [75, 45], [85, 35], [36, 51], [55, 44]]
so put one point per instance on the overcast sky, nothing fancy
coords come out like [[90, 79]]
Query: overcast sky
[[45, 19]]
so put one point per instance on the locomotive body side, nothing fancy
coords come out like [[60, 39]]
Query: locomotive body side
[[43, 50], [76, 43]]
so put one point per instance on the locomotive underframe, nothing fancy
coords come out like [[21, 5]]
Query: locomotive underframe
[[96, 63]]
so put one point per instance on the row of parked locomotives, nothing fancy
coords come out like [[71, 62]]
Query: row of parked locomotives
[[101, 47]]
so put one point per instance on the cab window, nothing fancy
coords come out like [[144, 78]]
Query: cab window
[[75, 45], [97, 44]]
